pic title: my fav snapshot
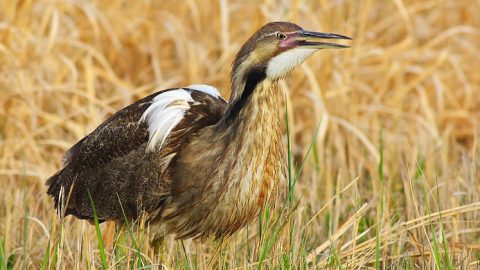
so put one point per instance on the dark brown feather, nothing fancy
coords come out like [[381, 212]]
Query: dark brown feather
[[112, 163]]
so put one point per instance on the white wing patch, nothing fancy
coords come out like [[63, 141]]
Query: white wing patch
[[167, 110], [207, 89]]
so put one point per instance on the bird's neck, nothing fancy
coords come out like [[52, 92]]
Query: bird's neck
[[252, 123], [243, 153], [258, 110], [243, 88], [240, 161], [253, 154]]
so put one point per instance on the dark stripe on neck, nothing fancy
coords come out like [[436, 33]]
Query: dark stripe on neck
[[252, 79]]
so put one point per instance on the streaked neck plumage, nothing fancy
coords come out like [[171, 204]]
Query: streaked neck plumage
[[258, 100], [240, 160], [245, 86], [252, 125]]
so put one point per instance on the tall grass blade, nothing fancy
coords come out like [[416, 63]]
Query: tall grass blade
[[101, 247], [25, 220], [138, 254], [381, 207], [46, 256], [3, 256]]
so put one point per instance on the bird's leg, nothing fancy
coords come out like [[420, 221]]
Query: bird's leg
[[158, 245]]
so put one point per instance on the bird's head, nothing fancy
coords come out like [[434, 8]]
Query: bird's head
[[278, 47]]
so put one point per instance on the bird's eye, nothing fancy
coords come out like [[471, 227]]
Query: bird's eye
[[281, 35]]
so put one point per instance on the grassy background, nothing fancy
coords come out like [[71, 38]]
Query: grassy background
[[392, 178]]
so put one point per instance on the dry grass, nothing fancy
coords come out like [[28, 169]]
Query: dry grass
[[410, 83]]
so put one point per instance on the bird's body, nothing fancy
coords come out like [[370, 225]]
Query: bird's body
[[192, 163]]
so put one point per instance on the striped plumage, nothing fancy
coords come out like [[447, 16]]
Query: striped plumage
[[192, 163]]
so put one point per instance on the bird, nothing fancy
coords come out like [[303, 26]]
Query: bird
[[189, 162]]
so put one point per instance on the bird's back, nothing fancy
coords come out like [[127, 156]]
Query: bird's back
[[125, 163]]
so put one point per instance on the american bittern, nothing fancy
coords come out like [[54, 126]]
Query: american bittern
[[194, 164]]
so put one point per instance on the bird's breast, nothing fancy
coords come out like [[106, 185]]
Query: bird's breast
[[225, 178]]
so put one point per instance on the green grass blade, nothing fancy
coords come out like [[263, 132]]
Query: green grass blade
[[448, 261], [138, 254], [101, 247], [436, 252], [3, 257], [187, 259], [381, 206], [46, 256], [25, 221]]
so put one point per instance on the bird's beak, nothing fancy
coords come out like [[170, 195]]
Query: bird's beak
[[315, 40]]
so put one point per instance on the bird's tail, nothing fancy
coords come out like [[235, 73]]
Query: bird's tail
[[56, 189]]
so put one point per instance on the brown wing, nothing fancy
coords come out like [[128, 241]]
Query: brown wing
[[112, 163]]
